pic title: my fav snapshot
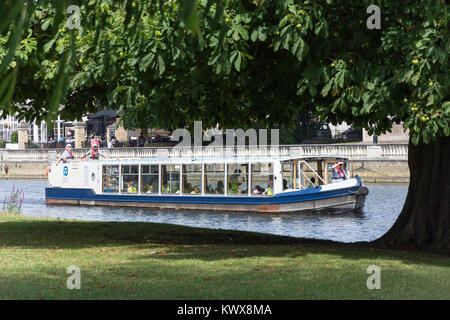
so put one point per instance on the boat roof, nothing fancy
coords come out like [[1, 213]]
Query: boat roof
[[231, 159]]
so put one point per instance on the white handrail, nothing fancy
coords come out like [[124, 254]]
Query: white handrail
[[318, 176]]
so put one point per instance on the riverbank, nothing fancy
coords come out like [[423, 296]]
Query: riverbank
[[124, 260]]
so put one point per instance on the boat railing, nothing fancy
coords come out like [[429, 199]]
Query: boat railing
[[312, 170]]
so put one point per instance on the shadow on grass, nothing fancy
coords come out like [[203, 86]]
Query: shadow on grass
[[32, 233]]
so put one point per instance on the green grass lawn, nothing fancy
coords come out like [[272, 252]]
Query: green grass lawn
[[158, 261]]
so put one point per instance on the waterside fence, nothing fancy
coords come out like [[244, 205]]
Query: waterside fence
[[373, 162], [397, 152]]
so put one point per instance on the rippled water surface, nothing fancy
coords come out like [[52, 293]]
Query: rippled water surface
[[383, 205]]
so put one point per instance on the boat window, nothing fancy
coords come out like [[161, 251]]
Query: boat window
[[170, 179], [214, 177], [130, 178], [192, 179], [149, 178], [110, 179], [237, 176], [329, 171], [288, 175], [262, 179]]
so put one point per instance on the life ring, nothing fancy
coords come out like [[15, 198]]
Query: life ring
[[49, 169]]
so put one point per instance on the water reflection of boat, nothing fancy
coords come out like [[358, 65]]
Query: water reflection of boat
[[245, 184]]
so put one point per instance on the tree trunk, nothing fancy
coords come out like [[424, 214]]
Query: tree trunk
[[424, 220]]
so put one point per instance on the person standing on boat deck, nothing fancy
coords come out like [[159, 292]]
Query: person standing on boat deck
[[94, 153], [338, 173], [67, 155]]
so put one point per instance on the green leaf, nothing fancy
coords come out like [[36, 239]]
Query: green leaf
[[426, 136], [286, 41], [254, 35], [47, 22], [237, 62], [262, 35], [60, 46], [327, 87], [341, 79], [312, 91], [161, 65], [415, 138], [12, 79], [190, 16], [14, 41]]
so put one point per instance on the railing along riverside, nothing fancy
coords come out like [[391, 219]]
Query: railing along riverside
[[352, 151], [394, 151]]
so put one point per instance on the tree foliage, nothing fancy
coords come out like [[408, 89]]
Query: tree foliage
[[233, 62]]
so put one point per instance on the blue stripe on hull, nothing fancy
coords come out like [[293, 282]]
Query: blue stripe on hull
[[283, 198]]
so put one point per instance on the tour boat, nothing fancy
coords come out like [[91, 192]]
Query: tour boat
[[260, 184]]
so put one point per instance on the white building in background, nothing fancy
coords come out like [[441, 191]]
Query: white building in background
[[37, 133], [336, 130], [8, 126], [397, 135]]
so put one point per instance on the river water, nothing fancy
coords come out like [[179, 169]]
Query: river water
[[383, 205]]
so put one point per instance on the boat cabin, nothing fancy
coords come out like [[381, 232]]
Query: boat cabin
[[234, 176]]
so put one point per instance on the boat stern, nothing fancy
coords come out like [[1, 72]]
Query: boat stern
[[361, 194]]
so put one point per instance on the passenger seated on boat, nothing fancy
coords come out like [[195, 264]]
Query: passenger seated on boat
[[196, 190], [269, 190], [131, 187], [233, 187], [257, 190], [313, 183], [165, 188], [149, 188], [338, 173], [188, 188], [219, 189]]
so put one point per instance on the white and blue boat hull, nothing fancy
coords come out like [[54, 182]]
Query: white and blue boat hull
[[347, 195]]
